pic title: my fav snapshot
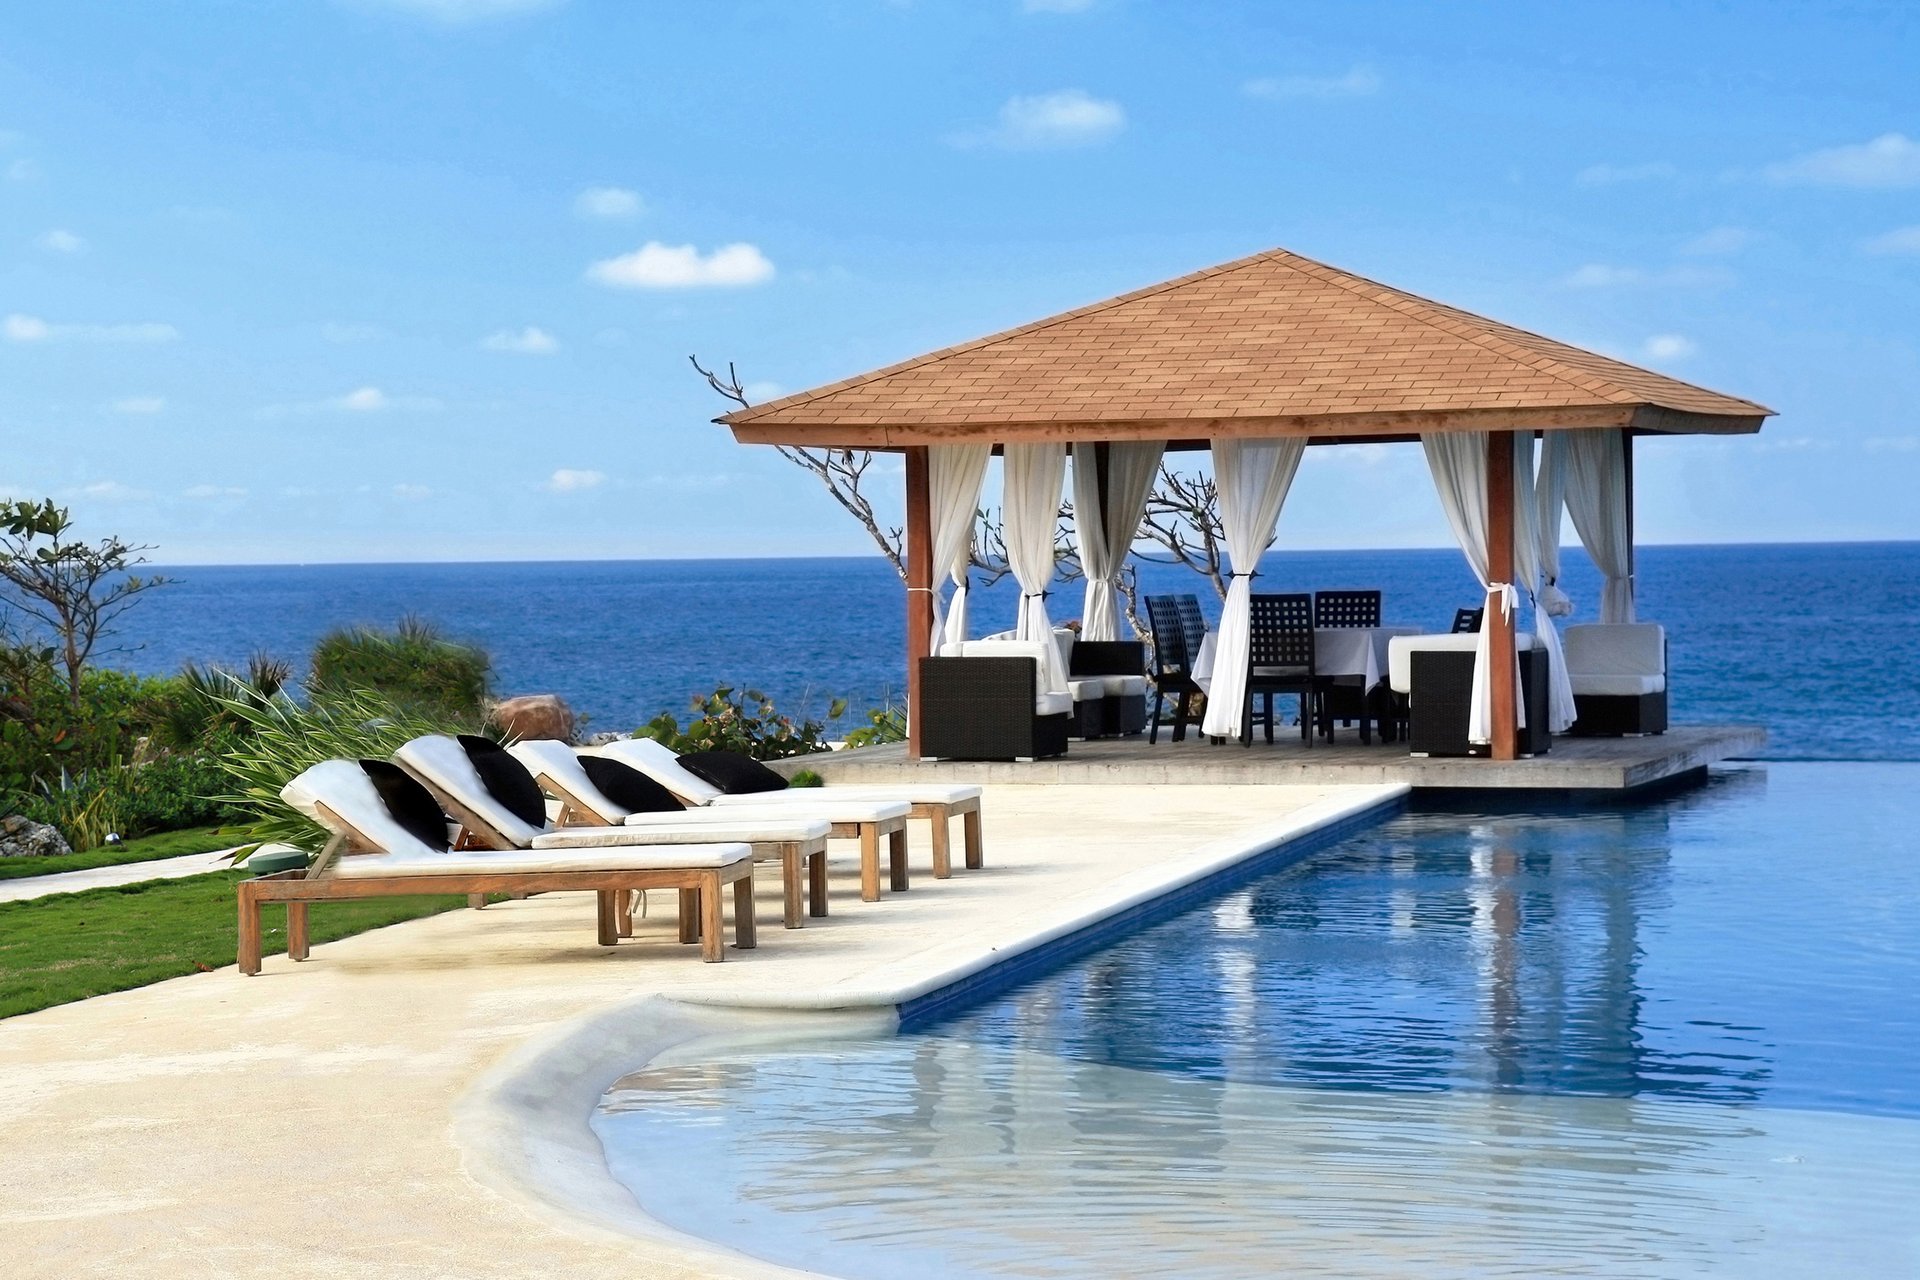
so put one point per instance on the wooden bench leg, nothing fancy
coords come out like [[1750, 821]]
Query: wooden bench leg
[[970, 824], [476, 900], [689, 915], [713, 935], [296, 931], [897, 858], [249, 957], [745, 928], [608, 901], [790, 889], [869, 862], [942, 837], [817, 884]]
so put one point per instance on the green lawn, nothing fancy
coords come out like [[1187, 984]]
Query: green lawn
[[168, 844], [74, 945]]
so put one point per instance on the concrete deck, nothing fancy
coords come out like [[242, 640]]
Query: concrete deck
[[1580, 764], [414, 1101]]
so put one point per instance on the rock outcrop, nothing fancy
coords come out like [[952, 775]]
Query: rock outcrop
[[24, 838], [536, 715]]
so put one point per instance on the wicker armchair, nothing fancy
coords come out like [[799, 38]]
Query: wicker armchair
[[990, 704], [1280, 660], [1120, 667]]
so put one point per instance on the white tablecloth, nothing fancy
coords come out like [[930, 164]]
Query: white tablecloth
[[1337, 651]]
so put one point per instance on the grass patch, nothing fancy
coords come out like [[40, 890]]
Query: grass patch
[[168, 844], [74, 945]]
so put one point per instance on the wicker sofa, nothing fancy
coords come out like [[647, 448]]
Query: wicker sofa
[[989, 700], [1109, 685], [1436, 675], [1619, 677]]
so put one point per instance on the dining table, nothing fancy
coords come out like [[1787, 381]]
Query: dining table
[[1337, 652]]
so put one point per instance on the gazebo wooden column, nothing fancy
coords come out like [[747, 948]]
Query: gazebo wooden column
[[919, 550], [1499, 623]]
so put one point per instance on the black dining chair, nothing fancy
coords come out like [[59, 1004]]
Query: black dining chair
[[1343, 699], [1465, 620], [1174, 649], [1280, 660]]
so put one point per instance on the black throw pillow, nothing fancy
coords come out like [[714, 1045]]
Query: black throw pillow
[[506, 780], [733, 773], [627, 787], [410, 804]]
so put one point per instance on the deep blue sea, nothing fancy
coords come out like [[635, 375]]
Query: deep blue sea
[[1814, 641]]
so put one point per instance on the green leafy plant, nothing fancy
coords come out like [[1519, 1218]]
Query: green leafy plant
[[284, 738], [413, 666], [189, 713], [743, 722], [805, 778], [884, 724]]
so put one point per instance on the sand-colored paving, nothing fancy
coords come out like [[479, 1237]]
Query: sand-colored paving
[[411, 1102]]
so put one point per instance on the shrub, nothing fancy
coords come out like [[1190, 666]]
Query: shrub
[[413, 667], [46, 744], [743, 722], [884, 724], [283, 738], [805, 778]]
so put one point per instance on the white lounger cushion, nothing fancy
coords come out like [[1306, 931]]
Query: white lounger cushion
[[1617, 659], [343, 786], [443, 762], [663, 857], [657, 761], [558, 761], [751, 825], [835, 793], [1400, 651]]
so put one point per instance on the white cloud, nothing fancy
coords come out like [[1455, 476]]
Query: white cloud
[[663, 266], [111, 491], [359, 400], [1597, 275], [1607, 175], [527, 342], [609, 202], [139, 404], [1893, 444], [571, 480], [59, 241], [1905, 240], [761, 392], [1890, 160], [460, 12], [412, 492], [1047, 121], [1360, 82], [24, 328], [1719, 242], [1056, 6], [346, 334], [207, 492], [364, 400], [1668, 346]]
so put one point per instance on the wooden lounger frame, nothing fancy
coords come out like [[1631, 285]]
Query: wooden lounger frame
[[700, 890], [792, 856]]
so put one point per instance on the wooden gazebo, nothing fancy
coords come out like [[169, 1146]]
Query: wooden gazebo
[[1273, 345]]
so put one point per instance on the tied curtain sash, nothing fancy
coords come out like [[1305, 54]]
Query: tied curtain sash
[[1458, 460]]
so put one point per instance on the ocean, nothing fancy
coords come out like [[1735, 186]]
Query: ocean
[[1815, 641]]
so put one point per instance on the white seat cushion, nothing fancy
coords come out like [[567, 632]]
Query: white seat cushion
[[666, 857], [708, 828], [1617, 686], [1400, 651], [1123, 686], [1089, 690], [443, 762], [1053, 704], [557, 761], [910, 792], [344, 788], [657, 761], [811, 802], [1615, 649]]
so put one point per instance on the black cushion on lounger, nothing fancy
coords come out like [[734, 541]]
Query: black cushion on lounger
[[733, 773], [411, 804], [506, 779], [627, 787]]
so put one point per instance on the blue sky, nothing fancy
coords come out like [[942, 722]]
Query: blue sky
[[417, 279]]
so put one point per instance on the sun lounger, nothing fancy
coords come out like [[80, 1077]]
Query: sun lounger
[[795, 839], [938, 803], [371, 854]]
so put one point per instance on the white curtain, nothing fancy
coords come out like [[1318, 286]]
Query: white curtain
[[1031, 476], [955, 473], [1597, 501], [1103, 532], [1458, 460], [1253, 477], [1550, 499], [1530, 537]]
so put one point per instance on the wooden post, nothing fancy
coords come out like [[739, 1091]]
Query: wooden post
[[919, 550], [1506, 733]]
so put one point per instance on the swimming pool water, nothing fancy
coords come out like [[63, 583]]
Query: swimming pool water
[[1675, 1038]]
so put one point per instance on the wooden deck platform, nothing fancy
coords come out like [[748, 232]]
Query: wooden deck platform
[[1574, 764]]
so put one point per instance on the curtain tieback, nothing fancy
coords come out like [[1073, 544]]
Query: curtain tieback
[[1243, 573], [932, 591], [1508, 597], [1035, 595]]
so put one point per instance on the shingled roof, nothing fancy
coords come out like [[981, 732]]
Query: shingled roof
[[1273, 344]]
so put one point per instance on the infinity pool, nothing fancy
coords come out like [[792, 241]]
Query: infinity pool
[[1678, 1038]]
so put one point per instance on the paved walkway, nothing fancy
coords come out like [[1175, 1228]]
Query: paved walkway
[[193, 864], [414, 1101]]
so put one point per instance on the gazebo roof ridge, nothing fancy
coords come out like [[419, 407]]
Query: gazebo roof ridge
[[1271, 342]]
